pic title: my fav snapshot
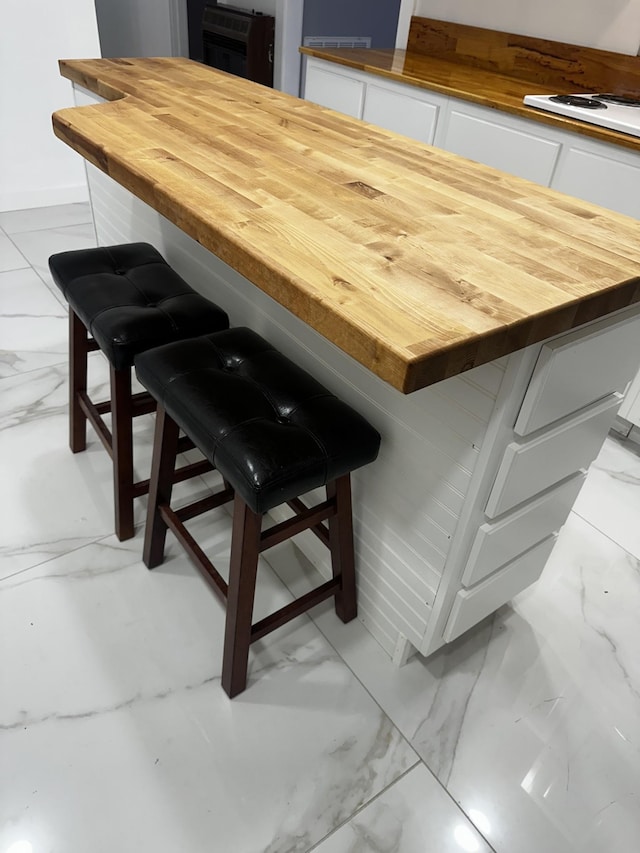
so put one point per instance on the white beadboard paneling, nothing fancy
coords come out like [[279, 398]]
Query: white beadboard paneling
[[378, 625], [383, 600]]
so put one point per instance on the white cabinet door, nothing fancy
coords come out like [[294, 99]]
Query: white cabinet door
[[506, 144], [603, 174], [337, 91], [415, 117]]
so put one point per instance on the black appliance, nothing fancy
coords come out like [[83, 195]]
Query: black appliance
[[239, 41]]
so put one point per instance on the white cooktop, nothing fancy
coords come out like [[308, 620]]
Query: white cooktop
[[623, 118]]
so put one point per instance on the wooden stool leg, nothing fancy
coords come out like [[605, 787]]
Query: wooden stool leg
[[122, 446], [165, 450], [341, 546], [245, 547], [78, 339]]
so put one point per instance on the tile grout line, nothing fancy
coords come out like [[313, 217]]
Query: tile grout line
[[420, 760]]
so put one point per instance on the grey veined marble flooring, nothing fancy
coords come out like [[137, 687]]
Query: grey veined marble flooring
[[521, 737]]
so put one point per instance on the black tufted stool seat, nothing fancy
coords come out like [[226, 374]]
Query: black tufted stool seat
[[274, 433], [123, 300]]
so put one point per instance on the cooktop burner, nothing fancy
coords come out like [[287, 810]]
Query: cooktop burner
[[616, 112], [623, 100], [578, 101]]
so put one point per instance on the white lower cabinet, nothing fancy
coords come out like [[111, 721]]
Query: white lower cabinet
[[406, 114], [507, 144], [331, 89], [602, 174]]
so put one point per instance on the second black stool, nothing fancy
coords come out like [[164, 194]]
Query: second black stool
[[274, 433], [122, 300]]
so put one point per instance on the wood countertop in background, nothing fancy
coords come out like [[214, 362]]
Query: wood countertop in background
[[416, 262], [497, 69]]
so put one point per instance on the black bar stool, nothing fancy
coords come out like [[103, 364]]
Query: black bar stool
[[274, 433], [123, 300]]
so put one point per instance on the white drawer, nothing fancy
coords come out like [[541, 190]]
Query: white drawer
[[531, 467], [472, 605], [498, 543], [578, 369]]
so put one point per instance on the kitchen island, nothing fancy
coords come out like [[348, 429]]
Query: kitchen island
[[485, 325]]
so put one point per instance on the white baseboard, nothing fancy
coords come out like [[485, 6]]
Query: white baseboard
[[45, 197]]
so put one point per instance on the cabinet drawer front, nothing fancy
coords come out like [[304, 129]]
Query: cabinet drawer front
[[529, 468], [499, 543], [509, 150], [472, 605], [334, 91], [401, 113], [578, 369]]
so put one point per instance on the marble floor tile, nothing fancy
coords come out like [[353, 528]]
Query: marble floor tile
[[39, 218], [33, 324], [53, 500], [37, 246], [116, 735], [10, 256], [414, 815], [610, 497], [530, 720]]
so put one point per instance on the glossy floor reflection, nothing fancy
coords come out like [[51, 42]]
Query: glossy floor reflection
[[522, 736]]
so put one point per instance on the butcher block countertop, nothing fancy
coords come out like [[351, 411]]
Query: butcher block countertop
[[417, 263]]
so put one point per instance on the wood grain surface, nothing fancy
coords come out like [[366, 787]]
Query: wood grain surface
[[417, 263], [553, 65]]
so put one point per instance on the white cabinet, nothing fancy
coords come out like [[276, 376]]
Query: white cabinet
[[603, 174], [407, 112], [508, 143], [332, 89]]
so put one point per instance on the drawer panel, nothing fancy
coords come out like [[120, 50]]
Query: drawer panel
[[531, 467], [499, 543], [400, 113], [472, 605], [578, 369]]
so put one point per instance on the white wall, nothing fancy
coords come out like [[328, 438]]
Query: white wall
[[36, 169], [605, 24], [142, 27]]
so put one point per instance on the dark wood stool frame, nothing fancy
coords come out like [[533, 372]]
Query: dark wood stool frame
[[248, 540], [118, 442]]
